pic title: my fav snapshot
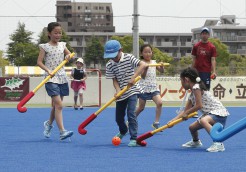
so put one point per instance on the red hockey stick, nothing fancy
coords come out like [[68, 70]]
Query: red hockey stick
[[81, 128], [140, 139], [32, 93]]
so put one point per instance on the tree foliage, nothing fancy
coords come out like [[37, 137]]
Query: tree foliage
[[22, 51], [94, 52], [3, 62], [223, 54]]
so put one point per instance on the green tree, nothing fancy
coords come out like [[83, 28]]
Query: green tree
[[223, 54], [127, 42], [3, 62], [94, 52], [237, 65], [21, 51]]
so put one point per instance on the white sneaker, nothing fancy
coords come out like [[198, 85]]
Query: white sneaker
[[47, 129], [192, 144], [216, 147], [65, 134]]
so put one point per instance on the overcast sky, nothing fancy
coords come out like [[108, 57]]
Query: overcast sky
[[162, 16]]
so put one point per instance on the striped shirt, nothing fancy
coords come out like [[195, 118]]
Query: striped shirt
[[123, 71]]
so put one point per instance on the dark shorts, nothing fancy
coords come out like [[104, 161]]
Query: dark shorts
[[205, 77], [148, 96], [54, 89]]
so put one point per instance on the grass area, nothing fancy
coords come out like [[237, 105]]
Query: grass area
[[148, 104]]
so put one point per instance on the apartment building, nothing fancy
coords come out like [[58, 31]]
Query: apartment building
[[85, 17], [176, 45]]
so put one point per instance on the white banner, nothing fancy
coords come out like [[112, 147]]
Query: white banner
[[223, 88]]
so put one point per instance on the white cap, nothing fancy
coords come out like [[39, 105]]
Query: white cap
[[80, 60], [205, 29]]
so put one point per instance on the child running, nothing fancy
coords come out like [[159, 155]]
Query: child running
[[120, 68], [149, 83], [57, 87], [78, 85], [201, 99]]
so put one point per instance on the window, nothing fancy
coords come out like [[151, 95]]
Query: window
[[108, 9], [101, 8], [78, 7], [108, 17], [159, 42]]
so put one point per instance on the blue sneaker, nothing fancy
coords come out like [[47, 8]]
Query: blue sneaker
[[65, 134], [47, 129], [120, 135], [133, 143]]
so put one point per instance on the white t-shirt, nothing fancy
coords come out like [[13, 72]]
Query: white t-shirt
[[209, 103], [149, 83], [54, 55]]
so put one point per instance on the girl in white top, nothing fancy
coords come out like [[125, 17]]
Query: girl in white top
[[57, 87], [200, 99], [149, 84]]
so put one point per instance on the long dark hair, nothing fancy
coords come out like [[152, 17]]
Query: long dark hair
[[193, 75], [142, 48], [51, 26]]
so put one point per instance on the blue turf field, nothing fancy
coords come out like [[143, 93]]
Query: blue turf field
[[23, 147]]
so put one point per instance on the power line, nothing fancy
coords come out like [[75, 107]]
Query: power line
[[147, 16]]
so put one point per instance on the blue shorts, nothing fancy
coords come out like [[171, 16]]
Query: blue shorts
[[54, 89], [219, 119], [148, 96]]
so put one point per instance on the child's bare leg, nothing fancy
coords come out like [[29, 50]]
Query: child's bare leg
[[141, 106], [58, 111], [194, 127], [81, 99], [158, 101], [207, 122], [75, 99], [52, 113]]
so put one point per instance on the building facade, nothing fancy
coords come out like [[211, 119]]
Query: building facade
[[176, 45], [85, 17], [83, 20]]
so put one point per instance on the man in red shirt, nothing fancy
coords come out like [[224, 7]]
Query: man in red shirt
[[204, 54]]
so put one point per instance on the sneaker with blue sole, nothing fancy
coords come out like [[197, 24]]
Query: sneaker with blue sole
[[156, 125], [47, 129], [133, 143], [65, 134], [120, 135]]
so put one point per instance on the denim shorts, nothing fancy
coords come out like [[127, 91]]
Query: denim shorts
[[54, 89], [219, 119], [148, 96]]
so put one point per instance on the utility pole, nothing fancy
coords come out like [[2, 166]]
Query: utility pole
[[135, 30]]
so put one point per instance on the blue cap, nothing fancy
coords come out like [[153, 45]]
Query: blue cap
[[205, 29], [111, 49]]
